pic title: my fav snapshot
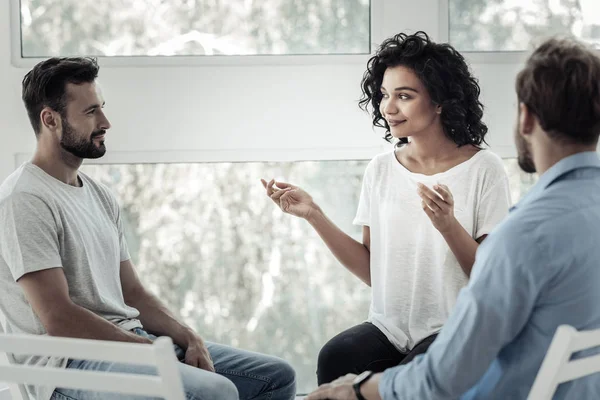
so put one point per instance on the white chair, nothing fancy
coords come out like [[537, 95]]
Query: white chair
[[166, 384], [17, 391], [557, 367]]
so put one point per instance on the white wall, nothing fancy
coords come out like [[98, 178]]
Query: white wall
[[13, 120], [245, 109]]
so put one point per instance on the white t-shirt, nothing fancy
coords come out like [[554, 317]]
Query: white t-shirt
[[415, 277]]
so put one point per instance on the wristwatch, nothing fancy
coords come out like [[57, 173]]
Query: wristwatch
[[358, 381]]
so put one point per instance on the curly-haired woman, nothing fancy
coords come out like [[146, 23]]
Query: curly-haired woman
[[425, 206]]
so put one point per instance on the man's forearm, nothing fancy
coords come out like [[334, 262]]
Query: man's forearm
[[157, 319], [77, 322], [370, 389]]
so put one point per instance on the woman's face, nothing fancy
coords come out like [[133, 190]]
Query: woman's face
[[405, 103]]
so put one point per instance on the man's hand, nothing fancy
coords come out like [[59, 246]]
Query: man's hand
[[197, 355], [340, 389], [438, 205]]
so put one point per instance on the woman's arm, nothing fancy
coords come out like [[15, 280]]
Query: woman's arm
[[462, 245], [352, 254], [440, 209]]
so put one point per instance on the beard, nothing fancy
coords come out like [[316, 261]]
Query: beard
[[525, 159], [82, 148]]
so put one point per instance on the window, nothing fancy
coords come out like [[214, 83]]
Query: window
[[511, 25], [193, 27], [208, 241]]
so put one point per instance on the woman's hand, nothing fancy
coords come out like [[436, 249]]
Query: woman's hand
[[438, 204], [291, 199]]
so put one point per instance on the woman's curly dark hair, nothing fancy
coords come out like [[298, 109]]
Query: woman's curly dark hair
[[444, 74]]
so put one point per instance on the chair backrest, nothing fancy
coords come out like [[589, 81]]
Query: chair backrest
[[558, 367], [167, 384], [17, 391]]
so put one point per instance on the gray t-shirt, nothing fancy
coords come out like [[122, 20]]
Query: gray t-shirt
[[45, 223]]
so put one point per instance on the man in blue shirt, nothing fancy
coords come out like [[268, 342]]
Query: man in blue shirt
[[539, 269]]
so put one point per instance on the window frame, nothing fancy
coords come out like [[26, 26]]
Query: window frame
[[479, 57], [248, 155], [226, 155], [376, 16]]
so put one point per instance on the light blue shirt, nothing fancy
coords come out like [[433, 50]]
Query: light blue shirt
[[540, 268]]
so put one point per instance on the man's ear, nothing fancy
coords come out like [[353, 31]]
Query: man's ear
[[527, 120], [50, 119]]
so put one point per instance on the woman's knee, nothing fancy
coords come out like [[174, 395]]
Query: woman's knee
[[338, 349], [334, 359]]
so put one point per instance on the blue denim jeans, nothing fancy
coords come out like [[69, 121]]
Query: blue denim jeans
[[239, 375]]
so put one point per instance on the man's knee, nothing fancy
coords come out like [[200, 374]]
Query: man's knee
[[216, 388], [226, 390], [284, 378]]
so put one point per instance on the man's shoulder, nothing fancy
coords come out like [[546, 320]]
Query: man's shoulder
[[95, 185], [99, 192], [562, 203], [518, 229], [547, 223], [524, 236], [21, 184], [102, 190]]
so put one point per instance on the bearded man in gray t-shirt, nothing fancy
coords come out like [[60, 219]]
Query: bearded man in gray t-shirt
[[65, 269]]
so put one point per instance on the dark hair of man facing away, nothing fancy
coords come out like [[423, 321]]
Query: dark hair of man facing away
[[560, 84]]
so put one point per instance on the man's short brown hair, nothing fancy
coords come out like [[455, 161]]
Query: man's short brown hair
[[560, 84]]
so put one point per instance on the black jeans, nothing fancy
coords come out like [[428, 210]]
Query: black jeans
[[362, 348]]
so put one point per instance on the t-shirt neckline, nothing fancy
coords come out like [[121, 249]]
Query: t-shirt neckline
[[43, 174], [449, 171]]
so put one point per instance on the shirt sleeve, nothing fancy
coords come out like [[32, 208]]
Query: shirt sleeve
[[112, 206], [29, 235], [502, 288], [117, 216], [124, 249], [494, 204], [363, 213]]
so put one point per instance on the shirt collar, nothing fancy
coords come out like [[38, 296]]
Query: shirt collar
[[567, 164]]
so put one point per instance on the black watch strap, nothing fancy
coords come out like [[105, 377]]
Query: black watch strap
[[359, 383]]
